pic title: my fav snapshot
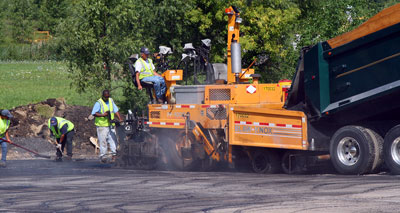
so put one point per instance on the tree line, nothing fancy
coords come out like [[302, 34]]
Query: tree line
[[95, 37]]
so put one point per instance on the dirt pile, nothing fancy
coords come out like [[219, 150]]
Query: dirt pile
[[30, 122]]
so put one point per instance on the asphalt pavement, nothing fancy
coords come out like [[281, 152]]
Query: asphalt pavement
[[87, 186]]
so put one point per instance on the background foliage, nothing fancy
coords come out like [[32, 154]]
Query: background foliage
[[95, 37]]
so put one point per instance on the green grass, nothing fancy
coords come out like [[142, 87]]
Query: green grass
[[45, 110], [27, 82]]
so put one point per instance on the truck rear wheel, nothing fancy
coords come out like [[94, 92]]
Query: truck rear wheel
[[378, 143], [266, 161], [391, 149], [352, 150]]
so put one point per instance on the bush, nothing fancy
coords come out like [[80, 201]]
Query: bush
[[45, 111], [34, 51]]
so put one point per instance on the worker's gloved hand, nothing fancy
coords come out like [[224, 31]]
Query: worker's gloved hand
[[91, 117], [58, 146]]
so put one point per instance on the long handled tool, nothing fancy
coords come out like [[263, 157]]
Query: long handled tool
[[36, 154], [248, 68]]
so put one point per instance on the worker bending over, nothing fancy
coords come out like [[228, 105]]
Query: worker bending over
[[144, 68], [63, 131], [5, 116]]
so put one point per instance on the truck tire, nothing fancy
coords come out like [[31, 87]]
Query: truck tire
[[391, 150], [266, 162], [352, 150], [378, 143]]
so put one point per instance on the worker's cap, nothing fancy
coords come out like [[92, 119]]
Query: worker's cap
[[53, 121], [6, 113], [144, 50]]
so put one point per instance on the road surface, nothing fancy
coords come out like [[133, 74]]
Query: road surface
[[87, 186]]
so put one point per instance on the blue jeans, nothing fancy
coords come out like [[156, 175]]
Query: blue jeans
[[159, 85], [3, 151]]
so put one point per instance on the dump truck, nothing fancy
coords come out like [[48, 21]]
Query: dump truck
[[343, 102]]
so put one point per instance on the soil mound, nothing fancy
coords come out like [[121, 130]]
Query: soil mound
[[29, 126]]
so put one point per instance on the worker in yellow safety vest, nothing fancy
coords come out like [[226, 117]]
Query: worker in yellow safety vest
[[5, 116], [144, 68], [104, 111], [63, 131]]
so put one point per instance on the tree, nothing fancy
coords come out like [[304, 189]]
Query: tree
[[98, 38], [21, 17], [3, 10], [206, 19], [51, 13], [268, 31], [321, 20]]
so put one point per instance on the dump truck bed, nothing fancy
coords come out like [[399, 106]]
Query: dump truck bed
[[351, 77]]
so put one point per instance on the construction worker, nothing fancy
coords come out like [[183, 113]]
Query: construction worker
[[144, 68], [5, 116], [63, 131], [103, 111]]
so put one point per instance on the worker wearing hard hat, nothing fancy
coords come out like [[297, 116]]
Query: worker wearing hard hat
[[103, 111], [144, 68], [63, 131], [5, 116]]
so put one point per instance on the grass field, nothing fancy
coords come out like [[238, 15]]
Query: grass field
[[27, 82]]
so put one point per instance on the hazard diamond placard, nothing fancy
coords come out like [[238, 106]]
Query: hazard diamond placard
[[251, 89]]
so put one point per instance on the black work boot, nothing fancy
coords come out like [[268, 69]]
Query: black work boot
[[59, 158], [68, 158]]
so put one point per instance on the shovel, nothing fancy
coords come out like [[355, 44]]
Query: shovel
[[36, 154]]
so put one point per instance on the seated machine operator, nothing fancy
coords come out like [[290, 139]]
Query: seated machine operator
[[144, 68]]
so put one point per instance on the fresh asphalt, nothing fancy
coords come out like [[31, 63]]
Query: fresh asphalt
[[87, 186]]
